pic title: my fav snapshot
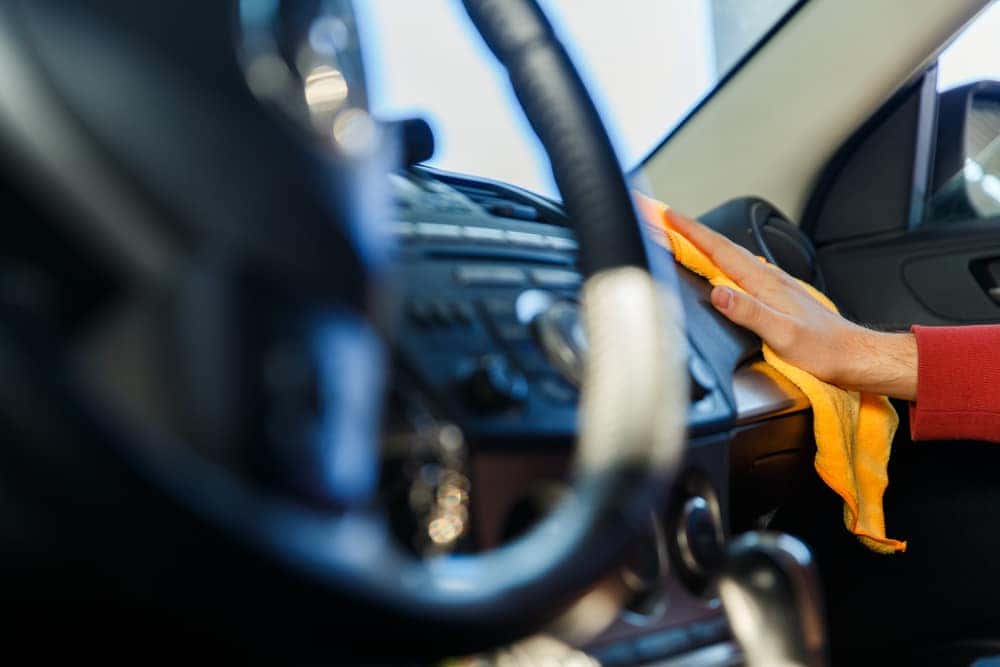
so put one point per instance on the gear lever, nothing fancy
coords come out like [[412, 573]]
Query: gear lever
[[771, 594]]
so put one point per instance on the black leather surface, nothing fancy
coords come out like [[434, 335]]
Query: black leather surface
[[762, 229]]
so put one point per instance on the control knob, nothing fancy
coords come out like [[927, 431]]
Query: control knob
[[560, 334]]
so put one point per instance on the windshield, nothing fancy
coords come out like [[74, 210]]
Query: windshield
[[646, 63]]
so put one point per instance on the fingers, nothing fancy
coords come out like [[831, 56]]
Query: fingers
[[756, 277], [650, 209], [741, 308], [694, 231]]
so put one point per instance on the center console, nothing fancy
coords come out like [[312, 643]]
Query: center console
[[489, 340]]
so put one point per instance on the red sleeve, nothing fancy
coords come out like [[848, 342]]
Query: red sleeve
[[958, 384]]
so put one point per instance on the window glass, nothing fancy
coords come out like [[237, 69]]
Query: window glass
[[973, 190], [975, 54], [646, 63]]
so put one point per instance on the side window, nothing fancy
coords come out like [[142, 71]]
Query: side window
[[646, 63], [975, 54], [966, 179]]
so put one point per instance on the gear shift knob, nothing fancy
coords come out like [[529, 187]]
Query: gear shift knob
[[771, 594]]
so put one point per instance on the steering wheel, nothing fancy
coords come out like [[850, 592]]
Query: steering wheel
[[244, 229]]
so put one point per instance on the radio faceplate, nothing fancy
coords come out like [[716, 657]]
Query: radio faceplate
[[473, 284]]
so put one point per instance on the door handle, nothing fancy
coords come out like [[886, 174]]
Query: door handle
[[987, 273]]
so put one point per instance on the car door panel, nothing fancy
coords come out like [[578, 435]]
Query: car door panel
[[932, 276]]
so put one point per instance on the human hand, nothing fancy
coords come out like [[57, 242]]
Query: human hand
[[800, 329]]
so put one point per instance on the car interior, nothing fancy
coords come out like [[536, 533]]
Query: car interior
[[281, 389]]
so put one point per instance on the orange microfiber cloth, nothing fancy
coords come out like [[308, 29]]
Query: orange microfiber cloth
[[853, 430]]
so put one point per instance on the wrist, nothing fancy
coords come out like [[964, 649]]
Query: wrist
[[885, 363]]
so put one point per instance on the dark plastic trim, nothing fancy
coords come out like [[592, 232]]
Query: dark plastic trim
[[842, 157], [923, 158]]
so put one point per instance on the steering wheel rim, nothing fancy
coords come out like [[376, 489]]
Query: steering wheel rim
[[627, 440]]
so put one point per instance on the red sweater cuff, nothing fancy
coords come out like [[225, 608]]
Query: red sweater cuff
[[958, 384]]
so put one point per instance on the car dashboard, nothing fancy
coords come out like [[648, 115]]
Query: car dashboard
[[483, 411]]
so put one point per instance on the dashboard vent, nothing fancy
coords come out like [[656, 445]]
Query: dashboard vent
[[500, 204], [506, 201]]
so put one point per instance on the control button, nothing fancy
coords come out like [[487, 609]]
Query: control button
[[462, 312], [438, 232], [556, 278], [513, 332], [420, 313], [557, 391], [662, 644], [507, 276], [495, 384], [500, 308], [488, 234], [404, 230], [561, 243], [527, 239], [441, 313]]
